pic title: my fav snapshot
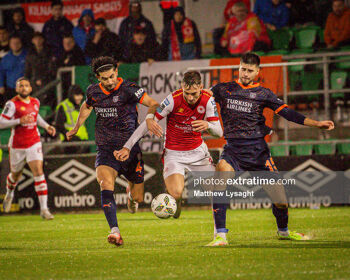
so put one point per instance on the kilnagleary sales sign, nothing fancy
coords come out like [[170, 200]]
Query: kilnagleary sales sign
[[112, 10]]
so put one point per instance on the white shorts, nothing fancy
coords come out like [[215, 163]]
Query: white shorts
[[19, 157], [198, 159]]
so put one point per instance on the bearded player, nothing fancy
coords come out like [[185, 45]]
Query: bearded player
[[114, 101], [242, 103], [21, 113], [189, 112]]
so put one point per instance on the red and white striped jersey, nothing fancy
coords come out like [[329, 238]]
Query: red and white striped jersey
[[179, 133], [23, 136]]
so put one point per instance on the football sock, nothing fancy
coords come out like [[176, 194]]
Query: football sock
[[109, 207], [281, 215], [40, 186], [10, 184], [219, 211]]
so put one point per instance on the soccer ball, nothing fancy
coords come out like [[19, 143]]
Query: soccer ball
[[164, 206]]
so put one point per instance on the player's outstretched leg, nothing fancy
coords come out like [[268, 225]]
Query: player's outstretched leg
[[175, 185], [219, 211], [135, 196], [220, 230], [106, 177], [110, 209], [40, 185], [11, 183], [280, 211]]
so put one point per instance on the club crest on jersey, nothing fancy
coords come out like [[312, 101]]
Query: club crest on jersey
[[180, 110], [115, 99], [200, 109], [252, 95], [36, 108], [23, 108]]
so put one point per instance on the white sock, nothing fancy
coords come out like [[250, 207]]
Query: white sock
[[10, 192], [115, 230], [221, 234], [284, 233], [41, 190]]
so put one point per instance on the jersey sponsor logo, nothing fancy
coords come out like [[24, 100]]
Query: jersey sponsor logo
[[252, 95], [200, 109], [115, 99], [106, 112], [238, 105], [139, 93]]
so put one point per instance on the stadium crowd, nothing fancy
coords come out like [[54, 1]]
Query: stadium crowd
[[38, 55]]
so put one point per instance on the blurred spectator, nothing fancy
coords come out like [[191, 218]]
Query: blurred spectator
[[11, 68], [72, 55], [135, 18], [337, 32], [66, 117], [180, 38], [302, 13], [84, 30], [228, 13], [19, 26], [139, 51], [56, 27], [245, 32], [39, 68], [274, 13], [104, 42], [4, 42], [167, 8], [219, 31]]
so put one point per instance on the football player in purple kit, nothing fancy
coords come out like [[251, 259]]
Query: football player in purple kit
[[114, 101], [242, 103]]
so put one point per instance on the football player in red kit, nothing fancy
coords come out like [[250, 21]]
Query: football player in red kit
[[21, 113], [189, 112]]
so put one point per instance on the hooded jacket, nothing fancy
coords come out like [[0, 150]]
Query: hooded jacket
[[128, 25], [178, 27], [80, 33]]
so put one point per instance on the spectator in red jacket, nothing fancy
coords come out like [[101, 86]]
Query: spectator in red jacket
[[337, 32], [245, 32], [229, 5]]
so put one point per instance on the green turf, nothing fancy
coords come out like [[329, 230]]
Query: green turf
[[74, 246]]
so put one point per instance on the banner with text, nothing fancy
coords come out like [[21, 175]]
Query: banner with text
[[114, 11]]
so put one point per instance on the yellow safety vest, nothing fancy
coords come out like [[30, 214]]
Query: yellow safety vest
[[71, 119]]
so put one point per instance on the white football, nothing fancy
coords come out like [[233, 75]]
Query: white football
[[164, 206]]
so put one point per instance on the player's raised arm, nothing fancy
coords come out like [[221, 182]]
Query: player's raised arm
[[49, 128], [282, 109], [162, 111], [212, 123], [7, 120], [84, 113], [152, 125]]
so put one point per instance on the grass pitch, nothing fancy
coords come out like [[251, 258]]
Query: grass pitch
[[74, 246]]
